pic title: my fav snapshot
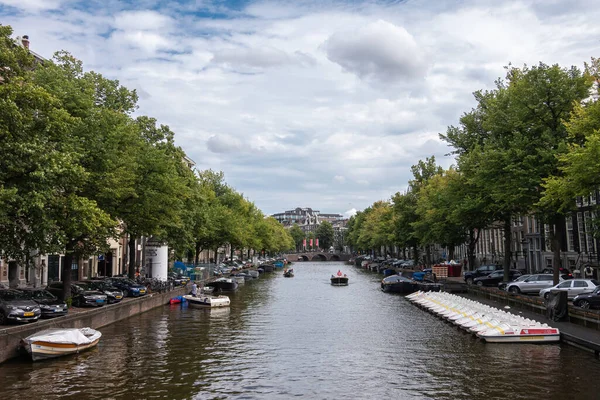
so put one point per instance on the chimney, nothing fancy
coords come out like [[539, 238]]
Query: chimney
[[25, 41]]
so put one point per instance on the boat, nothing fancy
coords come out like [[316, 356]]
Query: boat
[[278, 264], [487, 323], [339, 279], [239, 278], [267, 267], [223, 285], [56, 342], [253, 273], [398, 284], [207, 301], [289, 273]]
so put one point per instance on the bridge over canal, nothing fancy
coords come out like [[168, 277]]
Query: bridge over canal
[[317, 256]]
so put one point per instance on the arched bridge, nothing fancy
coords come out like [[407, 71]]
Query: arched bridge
[[317, 256]]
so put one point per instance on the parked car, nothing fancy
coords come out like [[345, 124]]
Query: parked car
[[129, 287], [483, 270], [564, 273], [588, 300], [573, 287], [81, 294], [113, 294], [14, 306], [533, 284], [178, 279], [503, 285], [496, 277], [50, 305]]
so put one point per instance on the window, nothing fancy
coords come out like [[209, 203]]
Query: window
[[580, 227], [570, 238], [580, 284], [564, 285]]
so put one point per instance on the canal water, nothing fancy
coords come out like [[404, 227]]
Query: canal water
[[300, 337]]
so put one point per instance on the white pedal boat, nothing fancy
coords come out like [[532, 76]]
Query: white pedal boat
[[505, 333]]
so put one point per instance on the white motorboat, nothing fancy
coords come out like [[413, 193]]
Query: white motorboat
[[207, 301], [56, 342]]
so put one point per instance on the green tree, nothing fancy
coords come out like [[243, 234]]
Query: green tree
[[512, 142], [36, 155], [297, 236], [325, 235]]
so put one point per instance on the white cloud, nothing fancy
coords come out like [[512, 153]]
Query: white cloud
[[309, 104], [223, 144], [145, 20], [350, 213], [33, 5], [379, 50], [262, 57]]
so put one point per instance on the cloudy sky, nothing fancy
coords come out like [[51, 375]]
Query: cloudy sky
[[321, 103]]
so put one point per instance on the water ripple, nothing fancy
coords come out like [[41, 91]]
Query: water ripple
[[286, 338]]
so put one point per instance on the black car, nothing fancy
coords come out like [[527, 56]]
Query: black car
[[129, 287], [14, 306], [113, 294], [50, 305], [81, 294], [483, 270], [588, 300], [496, 277]]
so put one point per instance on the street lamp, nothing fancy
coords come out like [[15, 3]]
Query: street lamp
[[525, 245]]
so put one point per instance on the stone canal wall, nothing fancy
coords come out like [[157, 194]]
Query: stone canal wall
[[10, 335]]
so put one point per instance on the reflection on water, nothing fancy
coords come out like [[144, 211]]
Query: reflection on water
[[283, 338]]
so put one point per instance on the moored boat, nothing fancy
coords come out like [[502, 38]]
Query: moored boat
[[398, 284], [207, 301], [57, 342], [339, 279], [223, 285], [267, 267], [488, 323]]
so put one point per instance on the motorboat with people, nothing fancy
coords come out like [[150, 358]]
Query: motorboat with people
[[55, 342], [204, 300], [288, 273], [339, 279]]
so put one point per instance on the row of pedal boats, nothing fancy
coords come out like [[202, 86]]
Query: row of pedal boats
[[488, 323]]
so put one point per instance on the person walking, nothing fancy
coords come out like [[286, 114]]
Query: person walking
[[194, 289]]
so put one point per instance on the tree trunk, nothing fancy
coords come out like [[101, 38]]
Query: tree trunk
[[197, 257], [132, 252], [451, 252], [66, 274], [507, 240], [473, 239], [555, 245]]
